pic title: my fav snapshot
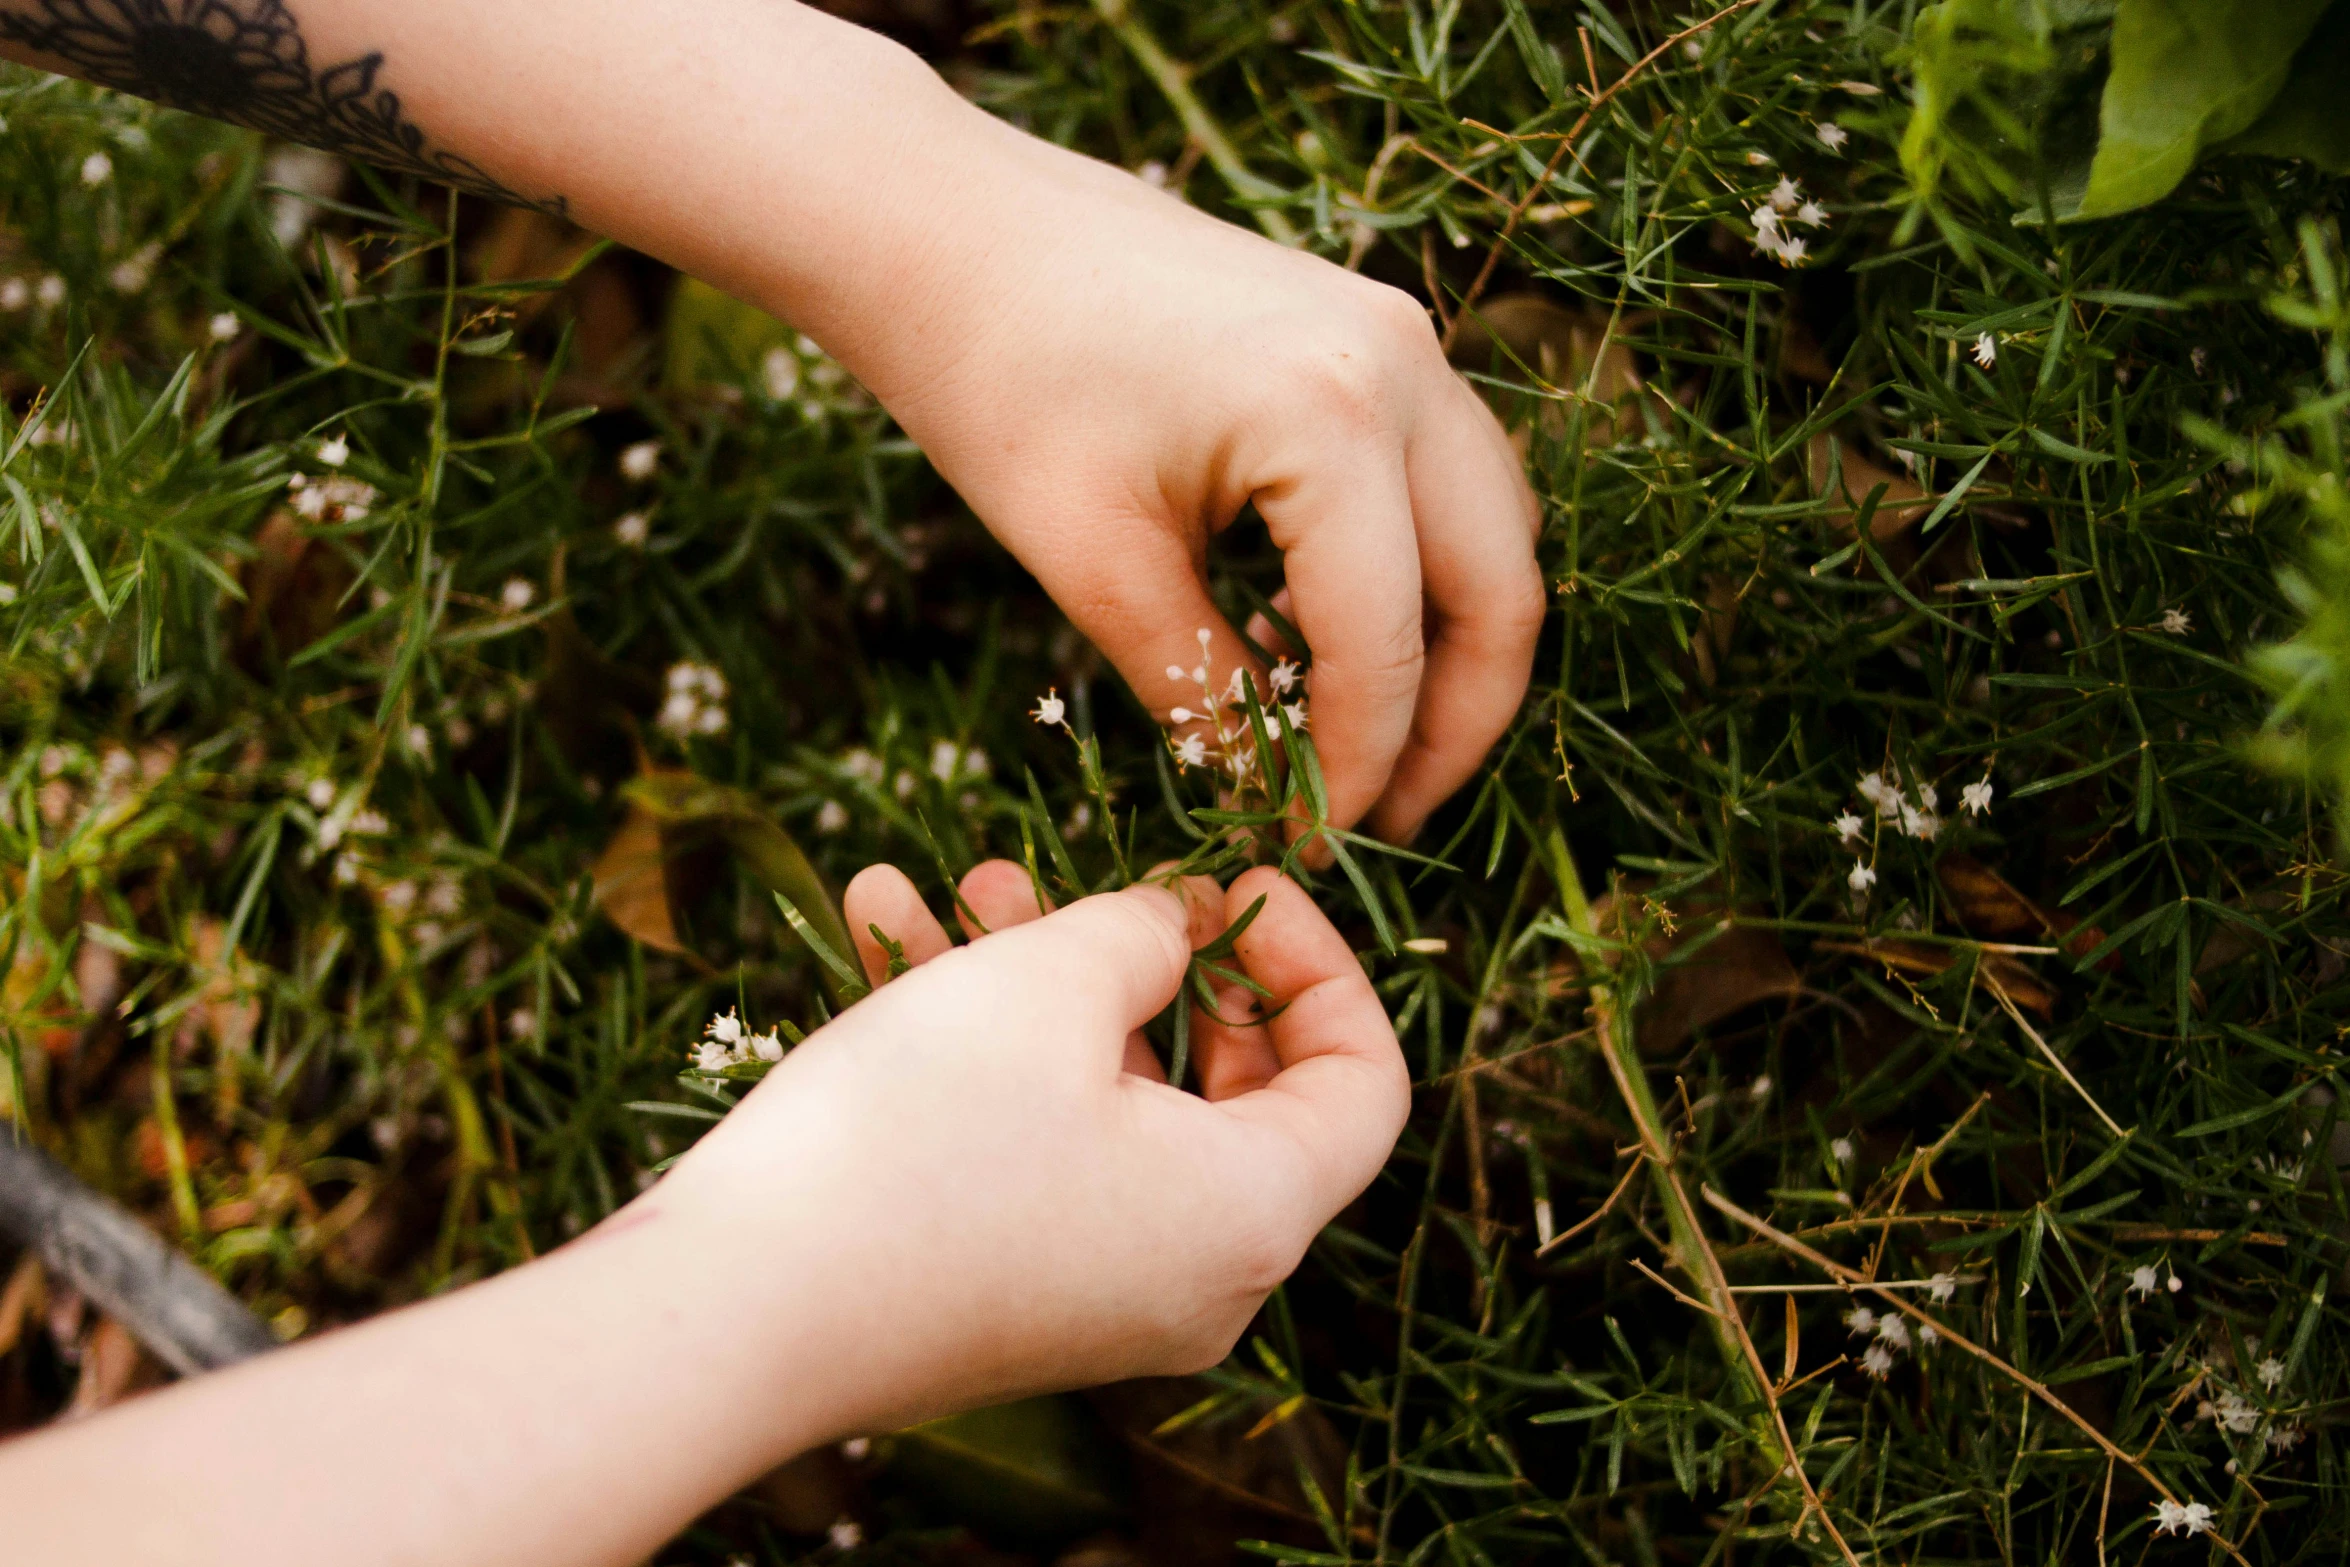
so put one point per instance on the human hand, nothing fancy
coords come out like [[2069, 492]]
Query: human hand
[[1108, 376], [983, 1165]]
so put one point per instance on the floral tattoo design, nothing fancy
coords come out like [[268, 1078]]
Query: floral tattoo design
[[244, 61]]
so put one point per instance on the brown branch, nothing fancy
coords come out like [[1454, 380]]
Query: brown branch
[[2037, 1389]]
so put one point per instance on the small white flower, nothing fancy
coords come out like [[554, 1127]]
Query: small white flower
[[2189, 1518], [641, 461], [1862, 878], [1766, 227], [2174, 1285], [1941, 1287], [630, 529], [2142, 1280], [1153, 173], [767, 1046], [1183, 715], [1861, 1320], [1887, 799], [779, 373], [845, 1535], [320, 793], [420, 741], [370, 824], [516, 595], [1929, 1334], [2236, 1413], [1759, 1089], [97, 169], [7, 594], [1848, 827], [945, 757], [1175, 672], [399, 897], [727, 1030], [2271, 1371], [711, 1056], [1282, 676], [1861, 89], [1922, 824], [2176, 622], [1832, 136], [1811, 215], [521, 1023], [50, 292], [1294, 714], [1050, 709], [1791, 252], [1785, 196], [1893, 1330], [1975, 798], [15, 294], [864, 766], [134, 272], [1986, 350], [222, 327], [1877, 1362], [1841, 1150], [1191, 751], [346, 869], [335, 450], [1760, 159], [831, 816]]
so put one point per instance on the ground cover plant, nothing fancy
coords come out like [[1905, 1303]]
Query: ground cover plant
[[1876, 1021]]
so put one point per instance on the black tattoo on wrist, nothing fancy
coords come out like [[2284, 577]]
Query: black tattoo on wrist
[[244, 61]]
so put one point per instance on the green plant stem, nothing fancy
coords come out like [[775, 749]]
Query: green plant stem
[[1174, 82], [1611, 1010]]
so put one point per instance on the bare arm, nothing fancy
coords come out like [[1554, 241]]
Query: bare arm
[[967, 1188], [1107, 375]]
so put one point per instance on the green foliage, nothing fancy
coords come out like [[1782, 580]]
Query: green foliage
[[2003, 89], [313, 810]]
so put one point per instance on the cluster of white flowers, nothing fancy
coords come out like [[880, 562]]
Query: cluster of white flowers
[[2182, 1518], [1227, 709], [1888, 1336], [728, 1041], [1784, 205], [1919, 819], [696, 704], [2233, 1411], [347, 499], [16, 293]]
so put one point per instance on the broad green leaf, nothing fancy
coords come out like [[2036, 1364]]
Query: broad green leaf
[[2187, 74], [2308, 118]]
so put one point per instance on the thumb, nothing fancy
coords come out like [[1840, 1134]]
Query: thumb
[[1114, 959]]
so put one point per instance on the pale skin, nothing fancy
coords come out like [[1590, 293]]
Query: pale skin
[[1106, 375], [976, 1183], [971, 1186]]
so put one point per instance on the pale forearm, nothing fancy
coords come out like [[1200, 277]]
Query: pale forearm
[[575, 1412], [780, 153]]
